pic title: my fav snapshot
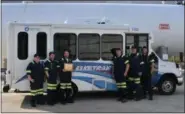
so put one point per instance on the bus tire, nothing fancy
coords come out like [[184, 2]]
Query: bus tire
[[6, 88], [17, 91], [167, 86], [74, 90]]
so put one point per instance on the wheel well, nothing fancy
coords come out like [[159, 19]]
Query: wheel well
[[168, 75], [75, 85], [6, 88]]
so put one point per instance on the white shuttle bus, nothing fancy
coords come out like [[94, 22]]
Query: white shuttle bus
[[90, 47]]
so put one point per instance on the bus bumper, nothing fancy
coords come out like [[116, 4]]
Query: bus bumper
[[180, 79]]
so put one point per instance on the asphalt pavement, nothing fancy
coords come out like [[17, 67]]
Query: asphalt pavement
[[98, 102]]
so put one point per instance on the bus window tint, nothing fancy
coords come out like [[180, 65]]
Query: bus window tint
[[139, 40], [129, 42], [89, 46], [22, 45], [108, 42], [143, 41], [42, 45], [65, 41]]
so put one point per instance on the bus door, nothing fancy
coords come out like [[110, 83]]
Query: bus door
[[28, 41], [139, 40]]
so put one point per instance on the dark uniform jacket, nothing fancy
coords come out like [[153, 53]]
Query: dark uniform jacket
[[135, 67], [65, 76], [146, 62], [63, 60], [120, 66], [52, 67], [36, 71]]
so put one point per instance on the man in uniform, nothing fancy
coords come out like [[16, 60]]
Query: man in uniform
[[134, 90], [51, 70], [65, 80], [147, 70], [121, 67], [35, 73]]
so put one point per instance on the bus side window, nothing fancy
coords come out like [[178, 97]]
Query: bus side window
[[139, 40], [110, 41], [143, 41], [88, 46], [22, 51], [129, 42], [65, 41], [42, 45]]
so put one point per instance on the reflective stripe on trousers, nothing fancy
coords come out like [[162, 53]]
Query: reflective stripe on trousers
[[136, 80], [68, 85], [121, 85], [62, 85], [37, 92], [65, 85], [51, 86]]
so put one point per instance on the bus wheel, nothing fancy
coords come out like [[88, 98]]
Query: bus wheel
[[17, 91], [167, 86], [74, 89], [6, 88]]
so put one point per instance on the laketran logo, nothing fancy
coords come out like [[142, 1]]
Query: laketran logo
[[98, 67]]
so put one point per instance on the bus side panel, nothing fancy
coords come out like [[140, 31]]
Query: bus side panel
[[93, 76], [10, 54]]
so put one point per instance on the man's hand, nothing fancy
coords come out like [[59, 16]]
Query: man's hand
[[125, 74], [153, 68], [140, 73], [153, 72], [30, 79], [47, 74], [127, 70], [46, 78]]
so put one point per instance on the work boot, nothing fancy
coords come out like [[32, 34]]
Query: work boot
[[50, 103], [63, 102], [130, 97], [150, 98], [137, 99], [144, 97], [68, 96], [123, 100], [40, 100], [55, 97], [62, 96], [119, 99], [33, 104], [70, 100]]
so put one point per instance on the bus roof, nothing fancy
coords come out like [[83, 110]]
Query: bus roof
[[77, 26]]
